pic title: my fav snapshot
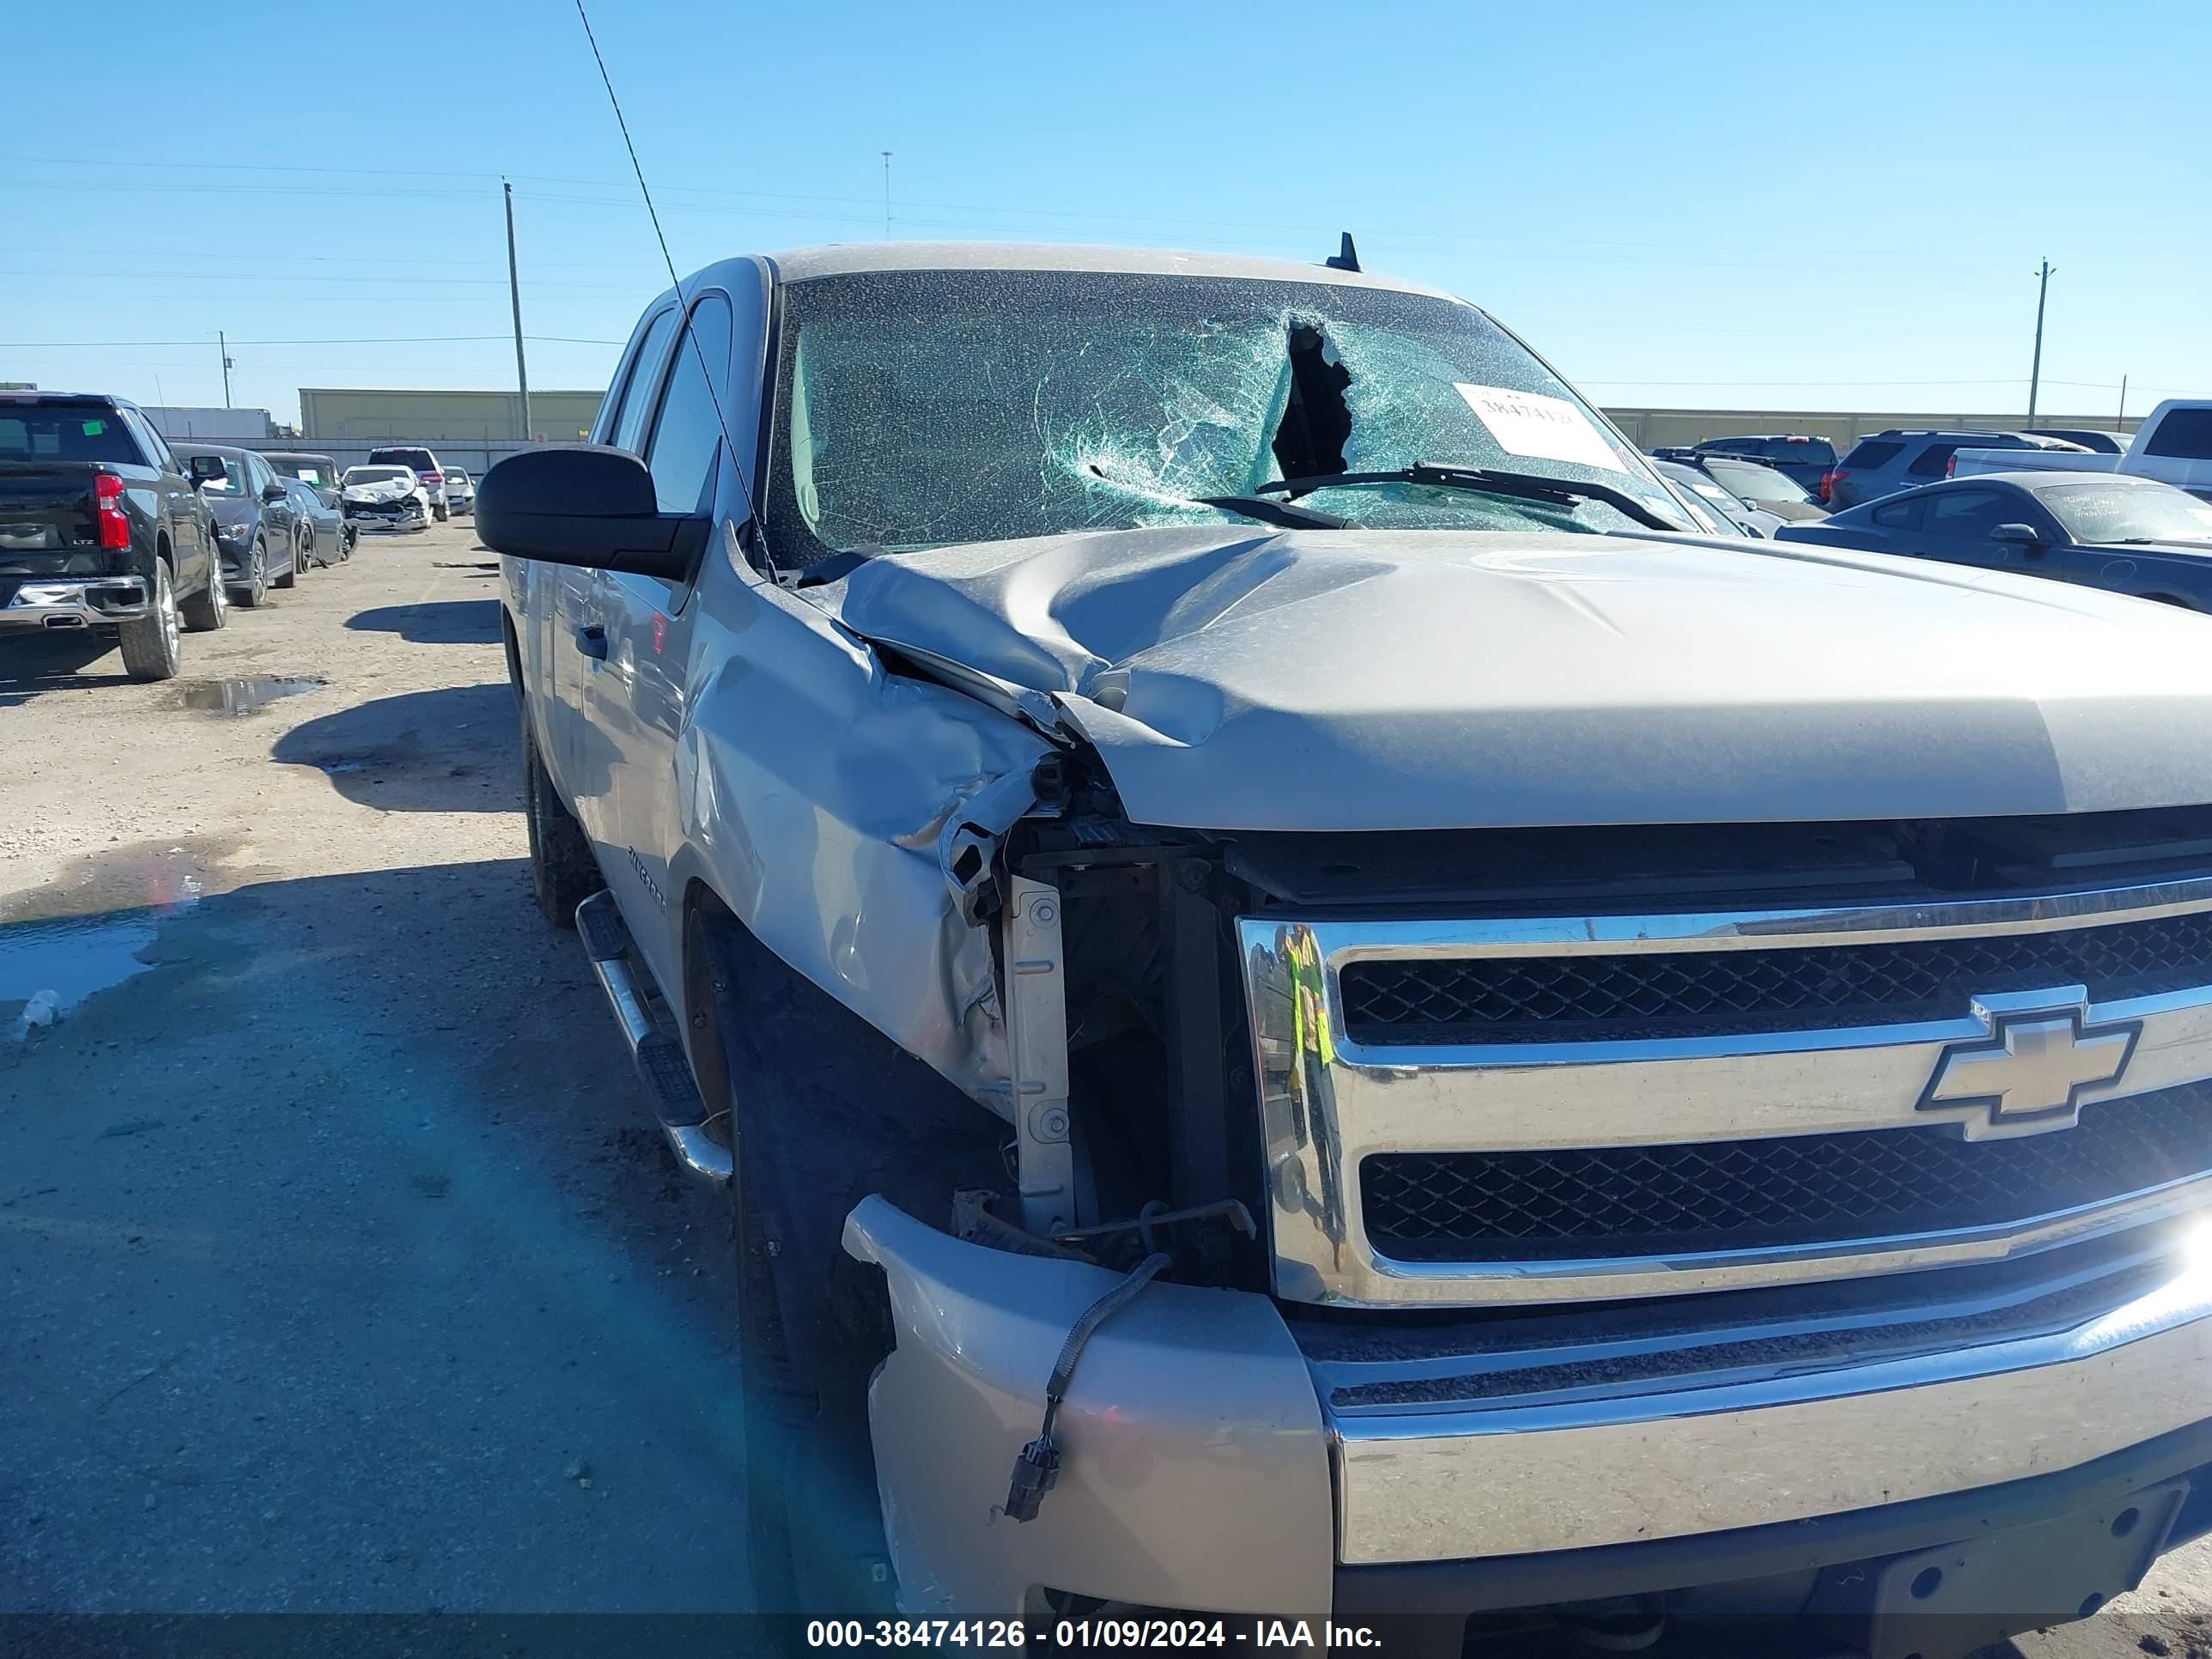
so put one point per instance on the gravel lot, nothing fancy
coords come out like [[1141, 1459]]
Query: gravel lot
[[340, 1267]]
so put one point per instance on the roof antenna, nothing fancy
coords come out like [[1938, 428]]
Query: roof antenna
[[760, 527], [1346, 257]]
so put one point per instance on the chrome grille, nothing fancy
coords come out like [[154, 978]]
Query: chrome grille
[[1793, 1189], [1710, 993], [1575, 1107]]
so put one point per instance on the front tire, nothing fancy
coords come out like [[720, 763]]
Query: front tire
[[812, 1322], [562, 872], [152, 647], [439, 513]]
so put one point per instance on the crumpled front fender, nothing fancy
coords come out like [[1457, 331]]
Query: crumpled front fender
[[1194, 1467]]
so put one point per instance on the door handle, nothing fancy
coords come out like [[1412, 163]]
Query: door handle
[[592, 643]]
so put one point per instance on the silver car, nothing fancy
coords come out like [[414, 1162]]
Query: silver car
[[461, 493]]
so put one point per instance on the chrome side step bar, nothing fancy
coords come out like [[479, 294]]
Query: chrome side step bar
[[660, 1060]]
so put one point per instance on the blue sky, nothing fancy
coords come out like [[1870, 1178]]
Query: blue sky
[[1809, 207]]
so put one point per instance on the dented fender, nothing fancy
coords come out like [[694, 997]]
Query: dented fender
[[1194, 1467], [817, 793]]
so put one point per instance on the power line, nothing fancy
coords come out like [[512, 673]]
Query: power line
[[372, 339]]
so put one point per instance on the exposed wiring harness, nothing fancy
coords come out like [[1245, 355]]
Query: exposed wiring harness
[[1037, 1471]]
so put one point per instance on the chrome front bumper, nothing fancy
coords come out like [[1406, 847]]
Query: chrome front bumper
[[76, 603], [1208, 1460], [1572, 1468]]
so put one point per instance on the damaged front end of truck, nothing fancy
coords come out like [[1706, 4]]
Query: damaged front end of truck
[[1405, 1038]]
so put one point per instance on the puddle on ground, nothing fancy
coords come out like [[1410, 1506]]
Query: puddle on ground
[[73, 957], [242, 696]]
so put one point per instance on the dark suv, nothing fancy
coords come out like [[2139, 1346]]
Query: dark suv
[[1899, 458], [1805, 460]]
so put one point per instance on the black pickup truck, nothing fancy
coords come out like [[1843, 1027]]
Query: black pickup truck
[[100, 527]]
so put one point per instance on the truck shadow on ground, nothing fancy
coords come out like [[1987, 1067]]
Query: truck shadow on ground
[[414, 1219], [453, 750], [55, 661], [435, 622]]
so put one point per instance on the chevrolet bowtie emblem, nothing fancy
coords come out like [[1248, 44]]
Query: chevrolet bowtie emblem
[[2030, 1073]]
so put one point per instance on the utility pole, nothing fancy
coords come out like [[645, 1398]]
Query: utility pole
[[222, 345], [515, 294], [2118, 419], [887, 196], [2035, 374]]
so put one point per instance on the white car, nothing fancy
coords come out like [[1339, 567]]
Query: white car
[[425, 467], [384, 498], [460, 494]]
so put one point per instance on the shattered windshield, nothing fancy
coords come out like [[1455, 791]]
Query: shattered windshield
[[921, 408]]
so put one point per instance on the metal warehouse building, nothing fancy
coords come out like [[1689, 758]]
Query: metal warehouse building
[[335, 414]]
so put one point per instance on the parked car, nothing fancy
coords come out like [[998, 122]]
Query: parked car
[[2101, 443], [384, 498], [320, 470], [425, 467], [256, 524], [1754, 483], [320, 474], [1304, 1018], [1899, 459], [460, 494], [2174, 447], [1704, 498], [2130, 535], [101, 526], [326, 537], [1802, 459]]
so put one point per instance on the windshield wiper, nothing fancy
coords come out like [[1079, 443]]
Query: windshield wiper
[[1274, 513], [1521, 486], [1281, 514]]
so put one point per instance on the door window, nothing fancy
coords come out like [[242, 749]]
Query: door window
[[637, 405], [687, 435], [1900, 515], [2184, 433], [1968, 514]]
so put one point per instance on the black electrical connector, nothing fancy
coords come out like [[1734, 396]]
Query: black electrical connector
[[1037, 1471]]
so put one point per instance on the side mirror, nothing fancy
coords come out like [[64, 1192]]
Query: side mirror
[[590, 505], [272, 492], [206, 470], [2020, 535]]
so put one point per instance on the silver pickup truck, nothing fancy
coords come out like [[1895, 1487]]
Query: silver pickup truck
[[1308, 1010]]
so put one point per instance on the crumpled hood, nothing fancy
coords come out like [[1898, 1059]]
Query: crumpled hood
[[384, 490], [1348, 680]]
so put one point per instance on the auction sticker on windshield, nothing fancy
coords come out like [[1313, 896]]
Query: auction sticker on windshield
[[1548, 429]]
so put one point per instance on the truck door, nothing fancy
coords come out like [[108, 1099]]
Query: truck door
[[576, 646], [636, 703]]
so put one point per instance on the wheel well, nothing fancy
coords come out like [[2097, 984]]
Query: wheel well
[[819, 1070], [512, 648]]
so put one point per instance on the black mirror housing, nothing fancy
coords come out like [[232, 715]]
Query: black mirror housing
[[274, 492], [205, 469], [590, 505]]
